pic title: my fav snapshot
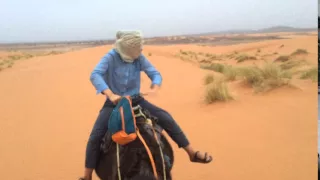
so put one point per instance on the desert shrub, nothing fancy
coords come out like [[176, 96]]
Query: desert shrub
[[282, 58], [230, 73], [10, 65], [274, 71], [208, 55], [299, 52], [27, 56], [183, 52], [244, 57], [209, 78], [214, 66], [251, 75], [231, 55], [311, 73], [267, 77], [217, 91], [292, 64]]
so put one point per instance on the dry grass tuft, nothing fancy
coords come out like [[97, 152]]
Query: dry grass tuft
[[292, 64], [265, 78], [228, 71], [216, 91], [183, 52], [214, 66], [10, 64], [311, 73], [299, 52], [244, 57], [282, 58], [209, 78], [9, 60]]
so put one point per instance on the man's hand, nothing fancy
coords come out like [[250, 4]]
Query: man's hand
[[153, 90], [155, 87], [114, 98]]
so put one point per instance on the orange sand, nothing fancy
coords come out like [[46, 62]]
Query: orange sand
[[48, 107]]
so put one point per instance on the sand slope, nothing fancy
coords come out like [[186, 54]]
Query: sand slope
[[48, 107]]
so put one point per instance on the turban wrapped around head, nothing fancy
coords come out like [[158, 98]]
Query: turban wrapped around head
[[129, 44]]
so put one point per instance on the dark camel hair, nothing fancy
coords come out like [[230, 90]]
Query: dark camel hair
[[134, 160]]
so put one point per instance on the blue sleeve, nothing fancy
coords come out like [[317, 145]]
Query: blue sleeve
[[98, 73], [151, 71]]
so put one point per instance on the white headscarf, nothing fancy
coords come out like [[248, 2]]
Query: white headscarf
[[129, 45]]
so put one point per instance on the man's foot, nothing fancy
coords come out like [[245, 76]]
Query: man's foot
[[200, 158]]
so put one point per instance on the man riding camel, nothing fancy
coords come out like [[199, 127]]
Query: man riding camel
[[118, 74]]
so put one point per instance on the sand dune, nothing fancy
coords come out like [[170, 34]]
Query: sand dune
[[48, 107]]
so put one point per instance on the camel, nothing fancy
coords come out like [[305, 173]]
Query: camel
[[134, 162]]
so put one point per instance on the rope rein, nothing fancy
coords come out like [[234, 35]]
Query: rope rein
[[162, 157], [118, 162]]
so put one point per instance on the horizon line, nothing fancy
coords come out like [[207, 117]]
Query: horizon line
[[234, 31]]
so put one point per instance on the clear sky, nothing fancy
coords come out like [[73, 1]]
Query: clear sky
[[45, 20]]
